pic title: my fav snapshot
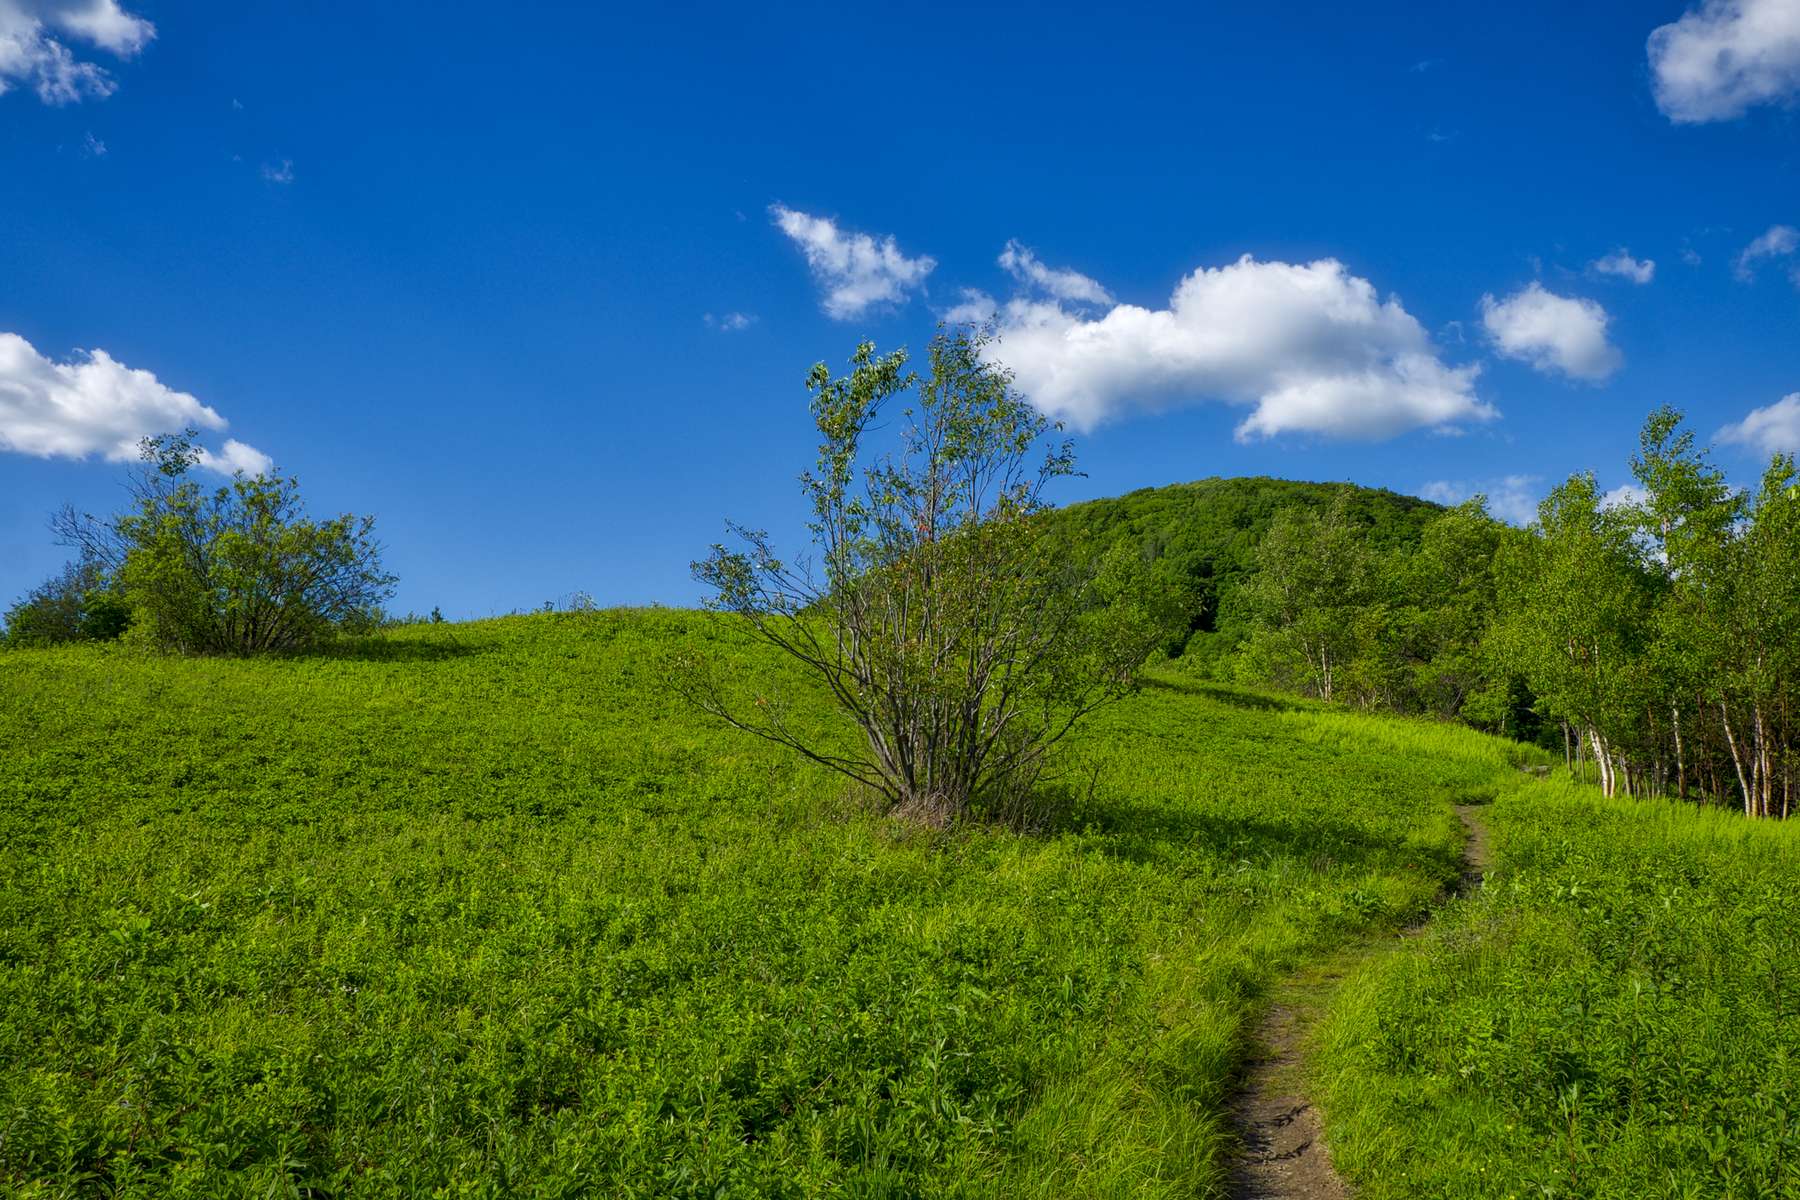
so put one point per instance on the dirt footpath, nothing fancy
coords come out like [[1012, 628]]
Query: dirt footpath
[[1284, 1155]]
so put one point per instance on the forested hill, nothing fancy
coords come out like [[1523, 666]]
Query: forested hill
[[1208, 530]]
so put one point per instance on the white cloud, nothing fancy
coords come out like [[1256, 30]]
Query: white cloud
[[1725, 57], [284, 173], [731, 322], [1621, 263], [975, 308], [1511, 498], [97, 405], [1772, 429], [1310, 348], [32, 56], [1778, 241], [1552, 332], [1019, 262], [235, 456], [1624, 496], [857, 271]]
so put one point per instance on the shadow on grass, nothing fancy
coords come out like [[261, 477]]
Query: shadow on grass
[[1151, 833], [376, 648], [1223, 694]]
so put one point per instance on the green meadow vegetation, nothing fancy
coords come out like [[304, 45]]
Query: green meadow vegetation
[[484, 910]]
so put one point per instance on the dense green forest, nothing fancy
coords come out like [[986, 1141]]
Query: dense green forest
[[1205, 534]]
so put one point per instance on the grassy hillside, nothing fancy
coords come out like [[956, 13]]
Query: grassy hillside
[[1208, 530], [1616, 1014], [479, 910]]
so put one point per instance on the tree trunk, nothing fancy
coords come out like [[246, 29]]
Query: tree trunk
[[1763, 766], [1680, 756], [1737, 760], [1602, 762]]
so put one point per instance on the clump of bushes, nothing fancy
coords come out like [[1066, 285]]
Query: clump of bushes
[[74, 605], [235, 569]]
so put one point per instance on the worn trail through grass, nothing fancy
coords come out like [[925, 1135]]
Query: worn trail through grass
[[1283, 1155]]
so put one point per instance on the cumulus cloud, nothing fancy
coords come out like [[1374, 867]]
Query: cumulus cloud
[[1510, 498], [1308, 348], [1621, 263], [1778, 241], [1725, 57], [33, 54], [1019, 262], [97, 405], [857, 271], [1552, 333], [1772, 429]]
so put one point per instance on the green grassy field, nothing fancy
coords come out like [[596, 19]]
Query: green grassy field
[[482, 910], [1616, 1014]]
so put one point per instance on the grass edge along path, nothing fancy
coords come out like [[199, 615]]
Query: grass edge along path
[[1614, 1014], [1283, 1151]]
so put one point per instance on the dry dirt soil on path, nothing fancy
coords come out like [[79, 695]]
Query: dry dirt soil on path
[[1284, 1155]]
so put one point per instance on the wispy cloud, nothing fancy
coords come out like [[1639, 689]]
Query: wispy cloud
[[1725, 57], [1309, 348], [1552, 333], [1779, 241], [34, 53], [1622, 264], [731, 322], [281, 172], [1018, 261], [94, 404], [858, 272]]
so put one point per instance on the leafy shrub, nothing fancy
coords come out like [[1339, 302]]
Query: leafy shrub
[[237, 569], [71, 606]]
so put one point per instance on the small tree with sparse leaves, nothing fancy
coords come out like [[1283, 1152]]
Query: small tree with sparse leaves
[[937, 615]]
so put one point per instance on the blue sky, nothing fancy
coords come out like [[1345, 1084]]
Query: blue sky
[[539, 287]]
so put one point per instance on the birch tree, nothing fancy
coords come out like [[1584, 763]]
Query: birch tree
[[1577, 604], [1312, 595]]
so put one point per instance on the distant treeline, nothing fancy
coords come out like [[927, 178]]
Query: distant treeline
[[1656, 640]]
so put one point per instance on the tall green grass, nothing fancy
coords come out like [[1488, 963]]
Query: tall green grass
[[481, 910], [1616, 1014]]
